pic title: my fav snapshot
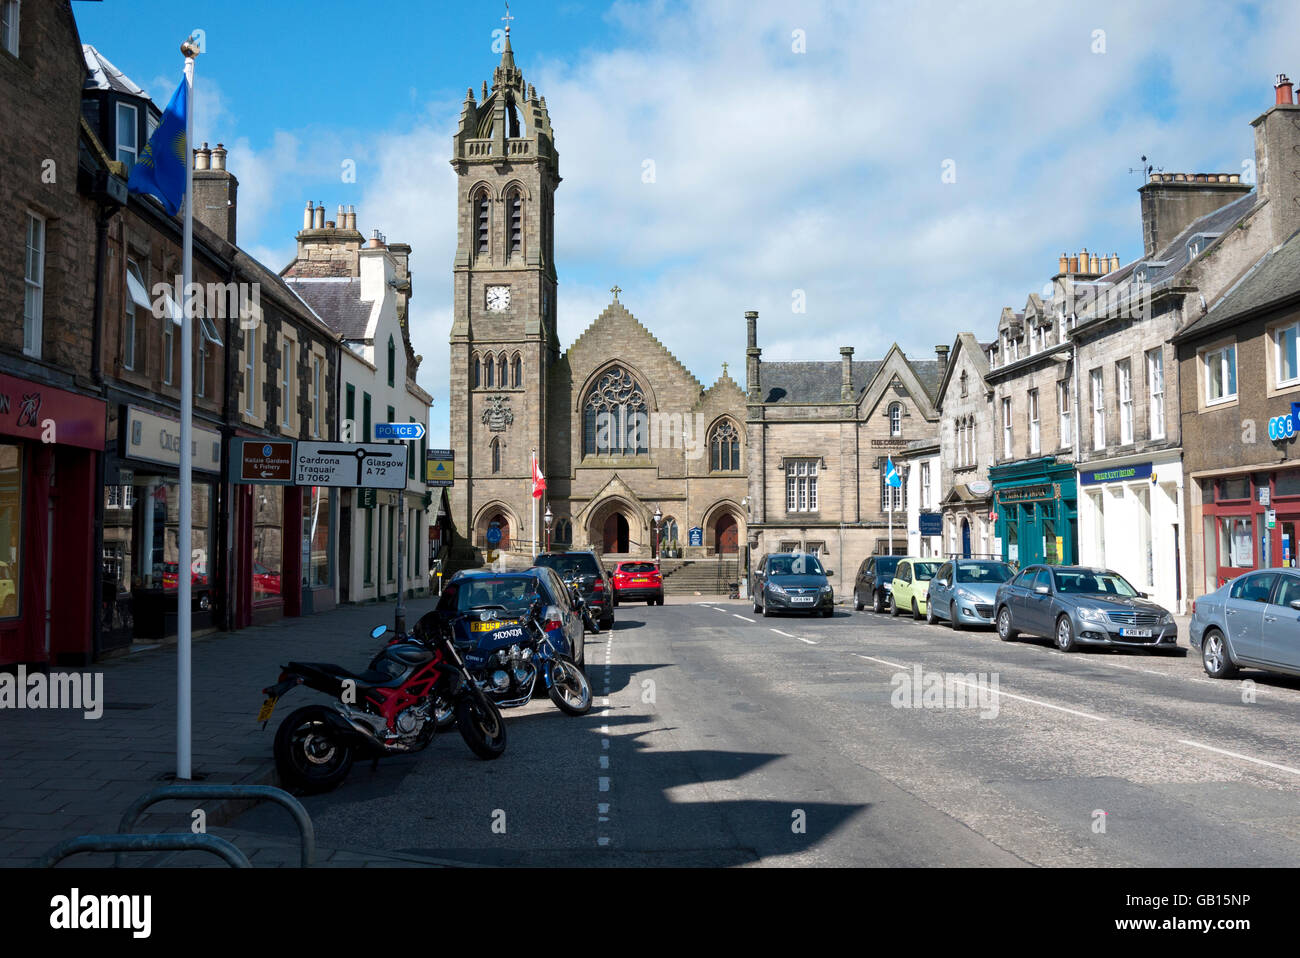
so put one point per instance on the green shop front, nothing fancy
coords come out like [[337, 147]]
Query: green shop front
[[1035, 511]]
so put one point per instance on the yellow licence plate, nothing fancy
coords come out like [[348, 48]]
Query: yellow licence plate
[[267, 708], [489, 626]]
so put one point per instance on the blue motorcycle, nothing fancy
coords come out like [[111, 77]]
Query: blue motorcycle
[[513, 655]]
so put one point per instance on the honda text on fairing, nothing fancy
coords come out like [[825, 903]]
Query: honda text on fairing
[[520, 634], [414, 686]]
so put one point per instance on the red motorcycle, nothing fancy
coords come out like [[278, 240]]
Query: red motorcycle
[[410, 690]]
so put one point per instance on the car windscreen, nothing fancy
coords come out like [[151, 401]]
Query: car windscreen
[[976, 573], [569, 565], [794, 565], [513, 593], [637, 568], [1093, 583], [924, 571], [886, 566]]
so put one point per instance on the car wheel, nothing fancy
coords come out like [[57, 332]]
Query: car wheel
[[607, 624], [877, 603], [757, 607], [659, 601], [916, 613], [828, 612], [1005, 632], [1065, 635], [893, 607], [857, 603], [767, 613], [616, 601], [1214, 656], [929, 614]]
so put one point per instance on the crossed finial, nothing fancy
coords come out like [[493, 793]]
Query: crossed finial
[[507, 18], [615, 290], [724, 369]]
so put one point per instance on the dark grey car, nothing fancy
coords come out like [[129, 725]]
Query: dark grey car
[[871, 585], [792, 582], [1076, 605], [593, 581]]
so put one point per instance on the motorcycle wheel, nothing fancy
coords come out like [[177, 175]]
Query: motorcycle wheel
[[481, 726], [309, 755], [573, 697], [444, 715]]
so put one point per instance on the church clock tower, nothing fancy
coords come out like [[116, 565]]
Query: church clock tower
[[503, 334]]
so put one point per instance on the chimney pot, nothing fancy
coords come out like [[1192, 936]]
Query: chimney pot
[[352, 218], [219, 157], [306, 216], [1283, 90], [329, 224], [1074, 264], [318, 218], [201, 157]]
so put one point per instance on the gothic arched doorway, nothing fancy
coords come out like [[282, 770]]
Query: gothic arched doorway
[[502, 523], [616, 533], [726, 535]]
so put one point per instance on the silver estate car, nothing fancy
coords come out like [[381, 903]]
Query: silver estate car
[[964, 591], [1254, 621], [1079, 606]]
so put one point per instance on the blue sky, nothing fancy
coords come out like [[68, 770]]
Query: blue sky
[[777, 171]]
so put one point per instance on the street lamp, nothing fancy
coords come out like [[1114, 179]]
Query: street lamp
[[658, 517], [548, 519]]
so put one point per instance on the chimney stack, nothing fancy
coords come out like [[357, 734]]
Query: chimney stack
[[1171, 201], [846, 374], [216, 192], [941, 353], [1277, 160], [753, 358]]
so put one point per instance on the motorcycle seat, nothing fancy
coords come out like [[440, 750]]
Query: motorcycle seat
[[366, 679]]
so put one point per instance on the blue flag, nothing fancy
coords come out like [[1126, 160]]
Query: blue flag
[[160, 171], [891, 474]]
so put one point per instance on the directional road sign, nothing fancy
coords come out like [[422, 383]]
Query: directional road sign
[[355, 464]]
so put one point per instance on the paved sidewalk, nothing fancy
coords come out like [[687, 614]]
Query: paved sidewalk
[[63, 775]]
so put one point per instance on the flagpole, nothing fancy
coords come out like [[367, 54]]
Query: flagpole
[[533, 479], [183, 663]]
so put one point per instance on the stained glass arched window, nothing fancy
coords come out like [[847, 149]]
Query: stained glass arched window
[[616, 419]]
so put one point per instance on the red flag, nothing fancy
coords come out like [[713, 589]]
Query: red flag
[[539, 481]]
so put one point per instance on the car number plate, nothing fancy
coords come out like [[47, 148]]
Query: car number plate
[[267, 708], [640, 581], [1136, 633], [490, 626], [801, 598]]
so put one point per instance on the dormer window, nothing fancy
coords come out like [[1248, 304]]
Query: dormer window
[[128, 135], [1140, 274], [1197, 244]]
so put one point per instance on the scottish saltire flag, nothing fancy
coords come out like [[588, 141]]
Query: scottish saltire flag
[[891, 474], [160, 171]]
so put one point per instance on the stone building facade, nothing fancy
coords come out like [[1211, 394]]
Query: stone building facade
[[621, 429], [820, 435], [965, 406]]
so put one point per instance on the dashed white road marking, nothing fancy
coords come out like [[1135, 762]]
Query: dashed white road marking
[[786, 634], [745, 617], [604, 761], [716, 609], [602, 783], [802, 639], [1244, 758]]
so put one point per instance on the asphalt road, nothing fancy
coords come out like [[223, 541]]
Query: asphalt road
[[720, 737]]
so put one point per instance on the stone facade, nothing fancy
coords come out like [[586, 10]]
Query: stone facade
[[515, 394], [966, 427]]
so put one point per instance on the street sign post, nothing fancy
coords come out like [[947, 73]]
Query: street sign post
[[399, 430], [264, 462], [351, 464]]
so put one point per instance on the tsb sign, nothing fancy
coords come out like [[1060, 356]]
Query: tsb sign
[[1284, 427]]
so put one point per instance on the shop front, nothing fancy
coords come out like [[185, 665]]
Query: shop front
[[1035, 512], [49, 443], [1131, 521], [1249, 521], [141, 564]]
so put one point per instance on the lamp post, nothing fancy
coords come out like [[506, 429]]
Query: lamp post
[[654, 550], [548, 519]]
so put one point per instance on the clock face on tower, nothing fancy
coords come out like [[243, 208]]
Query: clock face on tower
[[498, 298]]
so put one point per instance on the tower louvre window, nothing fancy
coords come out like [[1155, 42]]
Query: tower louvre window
[[489, 368], [517, 372], [481, 221], [516, 222], [502, 378]]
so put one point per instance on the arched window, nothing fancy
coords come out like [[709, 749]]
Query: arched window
[[616, 421], [516, 204], [896, 419], [481, 221], [476, 371], [517, 372], [502, 380], [668, 530], [496, 455], [489, 369], [724, 447], [564, 531]]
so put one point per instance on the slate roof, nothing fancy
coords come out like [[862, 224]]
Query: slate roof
[[816, 383], [338, 302], [1275, 278], [1173, 259], [105, 76]]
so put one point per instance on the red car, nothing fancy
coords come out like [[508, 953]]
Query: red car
[[637, 582]]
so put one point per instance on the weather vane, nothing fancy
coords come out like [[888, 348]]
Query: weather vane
[[1146, 169], [507, 18]]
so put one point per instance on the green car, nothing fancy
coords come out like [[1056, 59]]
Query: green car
[[911, 585]]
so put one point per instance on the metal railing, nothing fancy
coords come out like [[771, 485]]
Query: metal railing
[[260, 793], [211, 844]]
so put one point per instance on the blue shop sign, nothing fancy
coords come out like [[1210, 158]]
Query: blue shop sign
[[931, 524], [1141, 470]]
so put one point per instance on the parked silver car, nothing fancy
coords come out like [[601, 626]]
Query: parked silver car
[[964, 591], [1254, 620], [1076, 605]]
